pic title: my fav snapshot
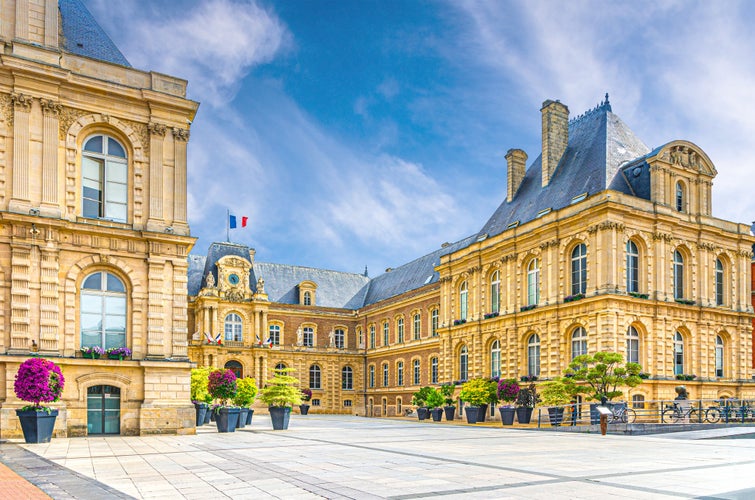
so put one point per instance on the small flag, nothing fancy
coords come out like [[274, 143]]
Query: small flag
[[233, 223], [258, 339], [269, 342]]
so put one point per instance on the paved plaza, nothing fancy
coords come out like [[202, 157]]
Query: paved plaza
[[327, 456]]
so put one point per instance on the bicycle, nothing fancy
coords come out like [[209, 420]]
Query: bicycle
[[729, 412], [623, 414], [674, 414]]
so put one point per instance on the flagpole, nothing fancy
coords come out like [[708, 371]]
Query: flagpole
[[228, 225]]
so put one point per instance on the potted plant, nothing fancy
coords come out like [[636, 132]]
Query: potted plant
[[306, 395], [419, 399], [447, 391], [599, 376], [508, 390], [118, 353], [246, 392], [208, 401], [280, 394], [221, 385], [476, 392], [92, 352], [199, 379], [526, 400], [434, 401], [555, 395], [38, 380], [492, 399]]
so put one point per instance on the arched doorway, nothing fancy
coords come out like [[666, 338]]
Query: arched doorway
[[235, 367], [103, 410]]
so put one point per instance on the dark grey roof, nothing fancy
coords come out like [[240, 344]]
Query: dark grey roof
[[599, 144], [215, 253], [196, 270], [83, 36], [415, 274]]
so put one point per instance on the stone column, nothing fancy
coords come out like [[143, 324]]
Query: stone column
[[180, 140], [50, 205], [155, 221], [20, 201]]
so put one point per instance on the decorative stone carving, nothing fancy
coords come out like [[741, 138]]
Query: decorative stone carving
[[21, 101], [332, 338], [50, 107], [210, 280], [703, 245], [260, 285], [157, 128], [181, 134], [662, 236], [299, 336], [234, 295]]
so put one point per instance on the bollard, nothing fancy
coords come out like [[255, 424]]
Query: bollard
[[603, 424]]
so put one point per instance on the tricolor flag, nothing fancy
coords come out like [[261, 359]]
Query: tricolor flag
[[269, 342], [233, 222], [259, 342]]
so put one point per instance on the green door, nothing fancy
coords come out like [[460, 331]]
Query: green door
[[103, 410]]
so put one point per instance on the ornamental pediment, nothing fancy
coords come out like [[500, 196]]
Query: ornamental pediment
[[688, 156]]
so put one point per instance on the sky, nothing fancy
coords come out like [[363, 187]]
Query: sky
[[367, 133]]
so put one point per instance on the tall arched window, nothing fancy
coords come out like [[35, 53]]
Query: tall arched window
[[463, 300], [309, 336], [400, 330], [680, 197], [104, 179], [719, 282], [578, 342], [719, 356], [347, 378], [633, 267], [280, 366], [372, 336], [678, 354], [385, 374], [533, 282], [386, 330], [340, 338], [103, 311], [233, 326], [579, 269], [433, 370], [678, 275], [633, 345], [463, 363], [275, 334], [314, 377], [417, 326], [235, 367], [371, 376], [307, 299], [533, 355], [495, 359], [434, 322], [495, 292], [400, 373], [416, 371]]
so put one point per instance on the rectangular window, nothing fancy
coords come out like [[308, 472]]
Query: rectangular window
[[315, 402], [309, 337], [339, 338], [372, 336], [347, 403], [401, 330], [385, 375], [416, 372], [400, 374], [275, 334], [434, 322], [417, 325], [372, 377], [386, 332], [434, 370]]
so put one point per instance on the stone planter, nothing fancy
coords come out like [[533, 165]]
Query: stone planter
[[304, 408], [471, 413], [450, 412], [227, 418], [507, 415], [242, 418], [423, 413], [524, 414], [208, 415], [481, 413], [280, 416], [249, 416], [201, 409], [437, 414], [37, 425]]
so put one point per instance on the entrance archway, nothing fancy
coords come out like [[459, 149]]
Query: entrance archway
[[103, 410], [236, 368]]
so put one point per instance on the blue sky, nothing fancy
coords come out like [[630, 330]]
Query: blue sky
[[358, 133]]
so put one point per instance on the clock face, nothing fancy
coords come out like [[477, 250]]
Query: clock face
[[233, 279]]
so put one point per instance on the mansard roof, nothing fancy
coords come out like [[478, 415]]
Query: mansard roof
[[599, 143], [84, 37]]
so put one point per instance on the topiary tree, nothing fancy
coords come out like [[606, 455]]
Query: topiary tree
[[199, 380], [600, 375], [281, 390], [447, 390], [434, 398], [419, 398], [478, 391], [38, 380], [555, 393], [246, 392], [221, 385]]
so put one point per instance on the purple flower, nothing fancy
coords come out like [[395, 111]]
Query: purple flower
[[38, 380], [93, 350], [119, 351], [222, 384]]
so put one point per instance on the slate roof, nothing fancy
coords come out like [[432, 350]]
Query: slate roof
[[599, 143], [83, 36]]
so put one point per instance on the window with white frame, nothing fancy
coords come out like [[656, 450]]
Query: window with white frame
[[578, 342], [533, 282], [314, 377], [275, 334], [372, 336], [386, 333], [434, 370], [340, 338], [463, 363], [347, 378], [719, 356], [633, 345], [309, 336], [681, 200], [307, 299], [719, 282], [280, 366], [678, 354], [417, 326], [533, 355], [371, 376], [495, 292], [400, 330], [434, 322], [400, 373], [360, 337], [103, 311], [633, 267], [579, 269], [385, 374], [416, 371], [495, 359], [678, 275], [233, 327], [104, 179], [463, 300]]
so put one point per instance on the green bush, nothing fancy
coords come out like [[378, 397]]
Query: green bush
[[282, 389], [600, 375], [246, 392]]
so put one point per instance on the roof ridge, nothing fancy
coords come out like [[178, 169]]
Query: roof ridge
[[604, 105]]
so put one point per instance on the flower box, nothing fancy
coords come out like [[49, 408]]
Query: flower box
[[528, 378], [687, 377], [491, 315], [118, 353], [527, 308], [459, 322], [573, 298], [92, 352], [686, 302], [638, 295]]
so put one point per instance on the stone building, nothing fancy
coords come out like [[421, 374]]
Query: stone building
[[601, 244], [93, 231]]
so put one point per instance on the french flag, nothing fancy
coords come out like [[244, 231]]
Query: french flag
[[233, 222]]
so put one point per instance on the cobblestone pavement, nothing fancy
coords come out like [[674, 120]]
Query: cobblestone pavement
[[354, 457]]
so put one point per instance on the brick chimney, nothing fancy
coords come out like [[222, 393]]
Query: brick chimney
[[517, 164], [555, 136]]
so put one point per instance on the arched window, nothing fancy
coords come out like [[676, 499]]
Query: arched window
[[579, 269], [103, 311], [385, 374], [400, 330], [340, 338], [678, 354], [347, 378], [104, 179], [533, 355], [233, 325], [719, 356], [719, 282], [680, 197], [633, 267], [275, 334], [434, 370], [371, 377], [434, 322], [314, 377], [399, 405], [309, 336], [307, 299], [372, 336], [236, 368], [633, 345], [678, 275], [495, 359], [495, 292], [463, 300], [578, 342], [400, 373], [386, 331], [638, 401], [533, 282], [463, 363], [416, 371], [280, 366], [417, 326]]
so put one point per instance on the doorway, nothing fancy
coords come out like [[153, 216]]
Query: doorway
[[103, 410]]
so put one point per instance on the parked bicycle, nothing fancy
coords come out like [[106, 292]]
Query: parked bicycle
[[729, 411], [623, 414], [678, 413]]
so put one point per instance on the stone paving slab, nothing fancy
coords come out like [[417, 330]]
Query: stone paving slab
[[328, 456]]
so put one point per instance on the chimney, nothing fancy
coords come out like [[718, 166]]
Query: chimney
[[517, 162], [555, 136]]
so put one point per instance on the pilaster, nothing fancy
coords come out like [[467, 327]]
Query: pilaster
[[180, 140], [156, 194], [50, 206], [20, 201]]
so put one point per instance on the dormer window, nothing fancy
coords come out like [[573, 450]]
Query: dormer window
[[307, 291], [307, 299]]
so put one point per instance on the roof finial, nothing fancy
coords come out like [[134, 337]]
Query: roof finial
[[606, 99], [365, 271]]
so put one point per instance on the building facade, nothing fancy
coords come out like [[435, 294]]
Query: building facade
[[93, 230], [600, 244]]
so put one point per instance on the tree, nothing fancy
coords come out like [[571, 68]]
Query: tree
[[600, 375], [281, 390]]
